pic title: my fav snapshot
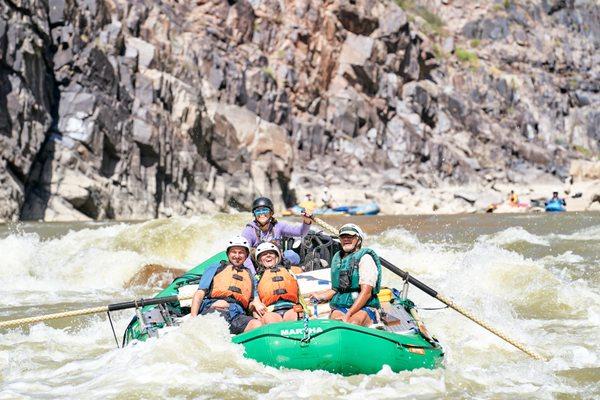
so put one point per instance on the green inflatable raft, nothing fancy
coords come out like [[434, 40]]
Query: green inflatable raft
[[315, 343]]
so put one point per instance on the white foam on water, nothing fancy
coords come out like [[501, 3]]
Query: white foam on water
[[513, 235], [528, 298], [508, 291], [198, 359], [591, 233], [100, 261], [567, 257]]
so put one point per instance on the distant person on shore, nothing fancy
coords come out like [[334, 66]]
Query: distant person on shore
[[265, 228], [228, 289], [513, 199], [308, 204], [355, 280], [327, 199], [556, 199]]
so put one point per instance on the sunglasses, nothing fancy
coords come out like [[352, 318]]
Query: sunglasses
[[261, 211]]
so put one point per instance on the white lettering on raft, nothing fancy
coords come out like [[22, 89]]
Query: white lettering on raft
[[299, 331]]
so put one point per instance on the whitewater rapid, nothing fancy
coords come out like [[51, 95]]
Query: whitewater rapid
[[538, 284]]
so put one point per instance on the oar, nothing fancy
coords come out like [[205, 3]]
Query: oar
[[94, 310], [444, 299]]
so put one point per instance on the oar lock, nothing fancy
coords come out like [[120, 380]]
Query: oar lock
[[405, 286]]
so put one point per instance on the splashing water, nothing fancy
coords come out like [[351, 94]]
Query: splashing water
[[534, 277]]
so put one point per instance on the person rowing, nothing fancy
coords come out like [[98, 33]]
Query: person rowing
[[556, 200], [355, 280]]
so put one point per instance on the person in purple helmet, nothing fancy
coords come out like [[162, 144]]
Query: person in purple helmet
[[265, 228]]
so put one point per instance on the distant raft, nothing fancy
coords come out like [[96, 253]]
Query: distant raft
[[362, 209]]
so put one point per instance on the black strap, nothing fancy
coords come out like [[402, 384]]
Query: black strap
[[280, 291], [235, 289], [237, 277], [278, 278]]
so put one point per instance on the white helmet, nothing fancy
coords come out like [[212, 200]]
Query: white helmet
[[238, 241], [352, 229], [267, 246]]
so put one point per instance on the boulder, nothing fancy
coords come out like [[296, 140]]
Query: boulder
[[240, 22], [11, 194], [356, 18], [487, 28], [142, 50], [582, 170], [263, 145], [356, 49]]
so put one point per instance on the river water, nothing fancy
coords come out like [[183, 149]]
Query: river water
[[535, 276]]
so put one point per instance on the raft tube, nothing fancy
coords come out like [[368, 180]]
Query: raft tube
[[363, 209], [338, 347], [555, 206]]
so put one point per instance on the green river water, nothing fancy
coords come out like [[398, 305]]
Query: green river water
[[534, 276]]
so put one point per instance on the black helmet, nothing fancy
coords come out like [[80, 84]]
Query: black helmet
[[263, 202]]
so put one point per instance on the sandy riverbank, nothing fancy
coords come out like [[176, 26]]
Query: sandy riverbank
[[466, 199]]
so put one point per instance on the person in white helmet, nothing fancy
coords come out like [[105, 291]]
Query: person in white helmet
[[355, 280], [277, 288], [228, 288]]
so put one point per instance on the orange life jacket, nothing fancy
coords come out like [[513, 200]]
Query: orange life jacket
[[277, 284], [232, 283]]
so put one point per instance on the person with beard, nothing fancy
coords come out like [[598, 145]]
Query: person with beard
[[355, 280]]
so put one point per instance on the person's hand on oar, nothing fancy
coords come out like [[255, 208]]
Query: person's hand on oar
[[307, 217], [321, 296]]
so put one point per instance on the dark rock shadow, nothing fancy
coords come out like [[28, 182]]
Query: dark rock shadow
[[5, 89], [37, 187]]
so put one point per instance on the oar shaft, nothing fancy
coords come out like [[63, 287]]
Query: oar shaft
[[414, 281], [487, 326], [47, 317], [143, 302], [94, 310]]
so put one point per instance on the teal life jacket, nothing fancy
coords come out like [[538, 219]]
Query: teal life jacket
[[349, 266]]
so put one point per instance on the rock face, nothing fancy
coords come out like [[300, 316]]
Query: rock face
[[132, 109]]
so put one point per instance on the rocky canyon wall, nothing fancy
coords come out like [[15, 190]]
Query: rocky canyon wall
[[134, 109]]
